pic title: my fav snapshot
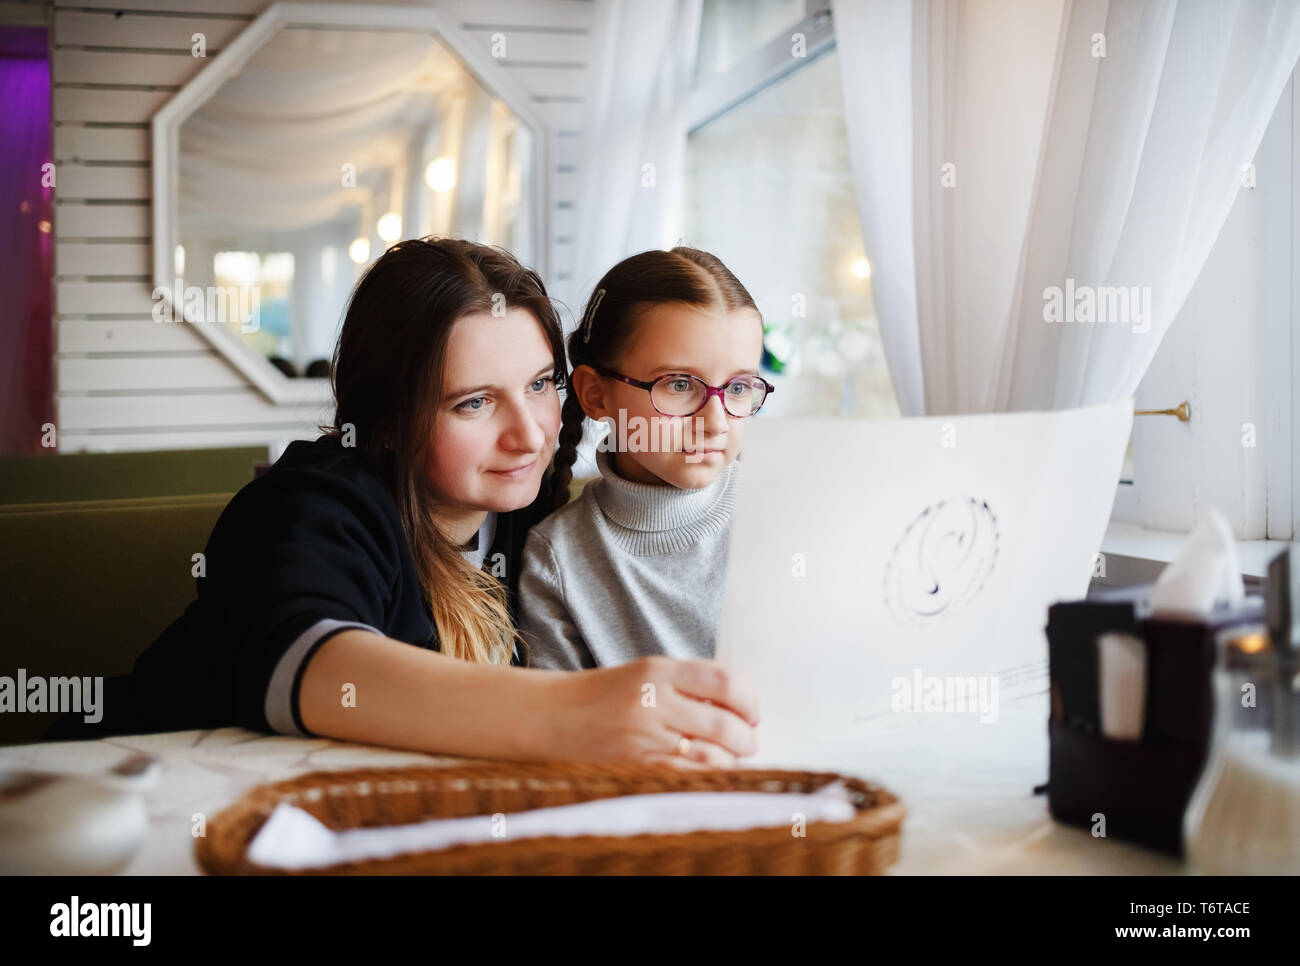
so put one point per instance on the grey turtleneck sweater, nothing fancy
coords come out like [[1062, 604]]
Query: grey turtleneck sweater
[[625, 571]]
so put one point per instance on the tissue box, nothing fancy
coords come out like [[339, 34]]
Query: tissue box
[[1141, 787]]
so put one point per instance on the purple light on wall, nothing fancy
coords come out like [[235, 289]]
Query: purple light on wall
[[26, 239]]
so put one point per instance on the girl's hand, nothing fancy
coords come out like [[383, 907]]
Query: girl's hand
[[639, 712]]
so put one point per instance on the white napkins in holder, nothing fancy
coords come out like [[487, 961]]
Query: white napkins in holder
[[1204, 578]]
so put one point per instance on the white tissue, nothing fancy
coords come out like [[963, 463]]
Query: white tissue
[[1123, 693], [1205, 575], [294, 839]]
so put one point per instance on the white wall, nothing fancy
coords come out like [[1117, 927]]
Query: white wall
[[124, 382], [1229, 353]]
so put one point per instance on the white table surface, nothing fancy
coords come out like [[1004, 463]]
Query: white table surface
[[968, 788]]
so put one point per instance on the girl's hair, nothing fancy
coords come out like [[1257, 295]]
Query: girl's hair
[[388, 380], [685, 275]]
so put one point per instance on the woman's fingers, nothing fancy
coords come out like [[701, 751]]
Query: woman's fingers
[[708, 681], [700, 700], [713, 707], [676, 743], [700, 720], [676, 761], [702, 755], [709, 755]]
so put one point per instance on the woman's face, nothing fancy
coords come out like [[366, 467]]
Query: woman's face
[[499, 415]]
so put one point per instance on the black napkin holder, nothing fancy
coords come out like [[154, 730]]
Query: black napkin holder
[[1141, 787]]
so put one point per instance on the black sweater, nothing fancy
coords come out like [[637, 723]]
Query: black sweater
[[313, 547]]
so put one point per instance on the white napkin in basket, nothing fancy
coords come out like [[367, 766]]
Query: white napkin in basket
[[294, 839]]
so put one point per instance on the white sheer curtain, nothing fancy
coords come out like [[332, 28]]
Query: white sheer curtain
[[643, 60], [1000, 150]]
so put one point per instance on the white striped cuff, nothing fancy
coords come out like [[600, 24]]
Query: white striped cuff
[[279, 704]]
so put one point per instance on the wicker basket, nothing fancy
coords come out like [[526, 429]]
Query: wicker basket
[[865, 845]]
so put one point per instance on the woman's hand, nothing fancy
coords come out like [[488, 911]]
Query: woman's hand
[[639, 712]]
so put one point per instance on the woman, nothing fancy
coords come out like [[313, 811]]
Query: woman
[[404, 525]]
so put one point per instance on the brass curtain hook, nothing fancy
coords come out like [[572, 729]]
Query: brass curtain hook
[[1183, 412]]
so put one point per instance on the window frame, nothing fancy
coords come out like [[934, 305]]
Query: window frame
[[762, 67]]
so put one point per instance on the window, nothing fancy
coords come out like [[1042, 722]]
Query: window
[[769, 190], [731, 30], [265, 325]]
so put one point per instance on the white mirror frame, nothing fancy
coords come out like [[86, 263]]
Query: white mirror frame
[[167, 122]]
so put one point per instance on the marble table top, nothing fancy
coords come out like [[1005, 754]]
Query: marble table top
[[968, 791]]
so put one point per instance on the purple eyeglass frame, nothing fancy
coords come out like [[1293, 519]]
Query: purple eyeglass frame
[[710, 391]]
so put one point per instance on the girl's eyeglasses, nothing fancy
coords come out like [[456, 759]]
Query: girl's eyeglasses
[[680, 394]]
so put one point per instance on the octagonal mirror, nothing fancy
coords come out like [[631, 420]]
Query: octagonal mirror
[[320, 136]]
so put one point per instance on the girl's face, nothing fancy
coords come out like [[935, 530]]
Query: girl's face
[[499, 415], [687, 452]]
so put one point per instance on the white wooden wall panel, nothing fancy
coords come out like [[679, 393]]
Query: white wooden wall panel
[[230, 408], [76, 143], [141, 31], [127, 372], [99, 259], [124, 381], [79, 336], [1228, 354], [92, 218], [106, 105]]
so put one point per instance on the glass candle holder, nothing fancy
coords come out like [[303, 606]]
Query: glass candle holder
[[1244, 816]]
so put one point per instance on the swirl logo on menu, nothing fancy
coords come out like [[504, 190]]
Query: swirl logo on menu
[[942, 561]]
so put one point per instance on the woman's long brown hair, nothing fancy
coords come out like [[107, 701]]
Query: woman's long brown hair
[[387, 377], [685, 275]]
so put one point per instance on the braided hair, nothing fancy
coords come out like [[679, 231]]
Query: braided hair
[[685, 275]]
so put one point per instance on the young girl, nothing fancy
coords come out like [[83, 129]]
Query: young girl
[[635, 566], [363, 589]]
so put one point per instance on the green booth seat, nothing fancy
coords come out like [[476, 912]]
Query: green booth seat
[[91, 584], [67, 477]]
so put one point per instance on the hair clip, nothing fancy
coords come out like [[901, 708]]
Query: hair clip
[[591, 314]]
